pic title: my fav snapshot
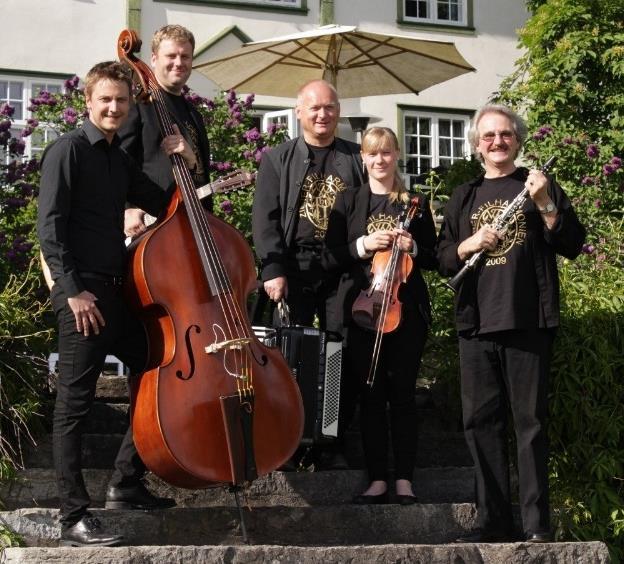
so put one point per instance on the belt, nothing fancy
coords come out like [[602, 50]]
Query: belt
[[106, 278]]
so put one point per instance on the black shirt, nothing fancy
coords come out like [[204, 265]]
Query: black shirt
[[318, 194], [85, 182], [507, 291]]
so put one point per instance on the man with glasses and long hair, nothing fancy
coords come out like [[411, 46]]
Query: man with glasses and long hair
[[507, 313]]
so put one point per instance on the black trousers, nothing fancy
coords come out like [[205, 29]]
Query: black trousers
[[81, 360], [394, 386], [508, 368]]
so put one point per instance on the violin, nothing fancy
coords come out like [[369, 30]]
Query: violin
[[378, 308], [214, 406]]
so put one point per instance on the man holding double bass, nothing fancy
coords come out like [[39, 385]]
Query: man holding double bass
[[171, 61]]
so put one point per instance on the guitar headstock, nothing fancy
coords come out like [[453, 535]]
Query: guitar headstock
[[233, 181]]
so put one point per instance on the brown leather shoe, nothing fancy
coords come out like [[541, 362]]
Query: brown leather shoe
[[88, 532]]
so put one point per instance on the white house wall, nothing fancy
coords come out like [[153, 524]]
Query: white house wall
[[68, 36]]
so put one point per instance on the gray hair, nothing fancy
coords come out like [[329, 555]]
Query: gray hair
[[520, 129]]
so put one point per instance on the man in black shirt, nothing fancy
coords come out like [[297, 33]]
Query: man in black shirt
[[296, 188], [507, 312], [86, 178], [172, 57]]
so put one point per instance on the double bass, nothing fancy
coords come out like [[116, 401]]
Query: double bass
[[214, 406]]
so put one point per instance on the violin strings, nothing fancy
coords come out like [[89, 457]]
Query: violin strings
[[207, 248]]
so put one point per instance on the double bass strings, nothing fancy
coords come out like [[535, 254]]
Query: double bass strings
[[213, 265]]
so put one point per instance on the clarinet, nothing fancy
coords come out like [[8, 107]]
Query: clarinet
[[501, 223]]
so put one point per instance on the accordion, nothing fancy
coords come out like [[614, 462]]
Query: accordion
[[315, 360]]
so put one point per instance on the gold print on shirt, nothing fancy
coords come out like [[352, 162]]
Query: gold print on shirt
[[514, 235], [198, 173], [381, 222], [318, 196]]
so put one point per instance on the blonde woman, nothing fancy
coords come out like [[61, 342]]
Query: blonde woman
[[365, 220]]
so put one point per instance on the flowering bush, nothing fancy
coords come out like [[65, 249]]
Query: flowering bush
[[235, 143]]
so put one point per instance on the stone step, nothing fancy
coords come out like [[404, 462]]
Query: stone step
[[304, 526], [512, 553], [99, 449], [37, 488]]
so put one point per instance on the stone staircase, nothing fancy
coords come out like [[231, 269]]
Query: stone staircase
[[291, 516]]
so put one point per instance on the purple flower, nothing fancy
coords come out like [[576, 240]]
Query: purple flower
[[32, 122], [231, 97], [4, 137], [588, 249], [608, 169], [538, 136], [616, 162], [249, 101], [248, 154], [587, 181], [71, 83], [568, 141], [26, 132], [7, 110], [226, 207], [210, 104], [70, 116], [545, 130], [252, 134], [597, 203], [17, 146], [5, 125], [271, 129], [592, 151]]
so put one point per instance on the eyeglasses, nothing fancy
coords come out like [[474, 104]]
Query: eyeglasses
[[504, 135]]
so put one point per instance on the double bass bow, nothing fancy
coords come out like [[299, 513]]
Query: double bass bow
[[214, 405], [378, 308]]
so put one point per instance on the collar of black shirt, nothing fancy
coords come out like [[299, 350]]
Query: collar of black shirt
[[94, 135]]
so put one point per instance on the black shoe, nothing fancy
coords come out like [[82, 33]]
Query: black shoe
[[135, 497], [485, 535], [538, 537], [405, 499], [371, 499], [88, 532]]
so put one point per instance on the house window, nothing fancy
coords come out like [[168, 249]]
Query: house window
[[432, 141], [17, 92], [284, 118], [440, 12], [295, 4]]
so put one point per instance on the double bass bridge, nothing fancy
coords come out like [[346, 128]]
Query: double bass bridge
[[231, 344], [235, 353]]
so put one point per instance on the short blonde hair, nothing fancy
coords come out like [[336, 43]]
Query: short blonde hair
[[177, 33], [377, 138]]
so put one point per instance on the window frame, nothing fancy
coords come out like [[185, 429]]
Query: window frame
[[435, 114], [29, 81], [433, 23], [260, 5]]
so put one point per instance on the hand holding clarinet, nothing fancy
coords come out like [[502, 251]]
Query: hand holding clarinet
[[487, 237]]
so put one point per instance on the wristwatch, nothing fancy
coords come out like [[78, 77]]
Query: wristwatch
[[550, 207]]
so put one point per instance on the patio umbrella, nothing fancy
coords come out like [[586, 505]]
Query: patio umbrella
[[357, 63]]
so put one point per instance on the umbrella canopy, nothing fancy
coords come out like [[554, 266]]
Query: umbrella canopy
[[357, 63]]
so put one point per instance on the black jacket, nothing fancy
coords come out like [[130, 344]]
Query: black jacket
[[277, 197], [566, 239], [141, 138], [347, 222]]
